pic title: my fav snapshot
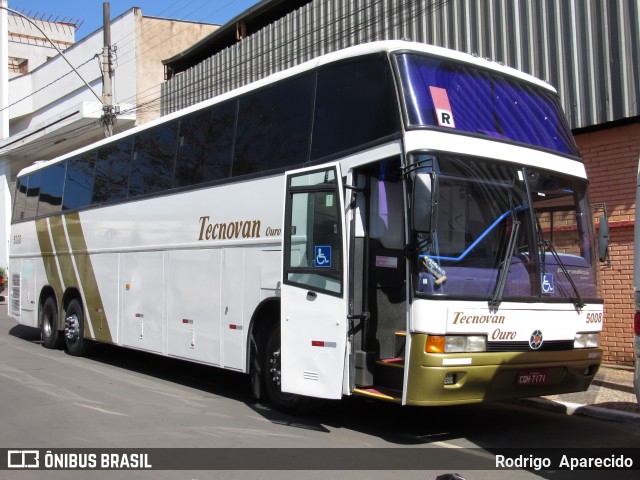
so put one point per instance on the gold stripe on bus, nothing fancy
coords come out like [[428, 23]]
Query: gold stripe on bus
[[48, 258], [63, 252], [95, 307]]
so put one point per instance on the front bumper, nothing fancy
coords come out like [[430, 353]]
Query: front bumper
[[486, 376]]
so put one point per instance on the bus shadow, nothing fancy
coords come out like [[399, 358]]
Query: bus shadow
[[23, 332]]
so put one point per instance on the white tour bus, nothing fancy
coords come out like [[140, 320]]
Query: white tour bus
[[392, 220]]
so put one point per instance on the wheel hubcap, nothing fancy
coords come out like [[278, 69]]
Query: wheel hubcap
[[72, 327], [47, 326], [275, 368]]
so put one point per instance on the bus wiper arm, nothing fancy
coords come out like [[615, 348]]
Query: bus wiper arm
[[505, 265], [578, 302]]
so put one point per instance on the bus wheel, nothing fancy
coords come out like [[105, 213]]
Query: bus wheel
[[288, 402], [51, 336], [77, 345]]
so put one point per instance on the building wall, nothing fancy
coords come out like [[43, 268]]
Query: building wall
[[51, 90], [611, 158], [588, 49], [26, 42], [159, 39]]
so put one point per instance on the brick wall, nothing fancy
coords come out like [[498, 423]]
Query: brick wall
[[611, 159]]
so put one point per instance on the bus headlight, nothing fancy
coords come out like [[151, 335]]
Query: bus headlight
[[456, 343], [586, 340]]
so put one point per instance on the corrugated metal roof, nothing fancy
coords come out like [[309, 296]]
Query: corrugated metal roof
[[588, 49]]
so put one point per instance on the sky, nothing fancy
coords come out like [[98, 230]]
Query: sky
[[88, 13]]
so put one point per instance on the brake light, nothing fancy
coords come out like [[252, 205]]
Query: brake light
[[636, 323]]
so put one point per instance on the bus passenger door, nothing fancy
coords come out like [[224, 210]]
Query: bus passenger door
[[314, 309]]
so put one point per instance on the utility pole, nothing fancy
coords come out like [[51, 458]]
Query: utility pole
[[108, 119]]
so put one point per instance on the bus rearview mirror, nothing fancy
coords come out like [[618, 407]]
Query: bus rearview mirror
[[421, 202], [603, 239]]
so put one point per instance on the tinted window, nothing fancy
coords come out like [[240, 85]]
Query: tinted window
[[205, 146], [51, 189], [112, 171], [464, 98], [33, 194], [273, 127], [21, 198], [355, 104], [79, 183], [154, 154]]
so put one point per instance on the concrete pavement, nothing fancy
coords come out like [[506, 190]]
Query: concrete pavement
[[610, 397]]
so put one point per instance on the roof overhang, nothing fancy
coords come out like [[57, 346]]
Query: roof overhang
[[74, 128], [254, 18]]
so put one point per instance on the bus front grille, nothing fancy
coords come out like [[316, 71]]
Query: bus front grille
[[547, 346]]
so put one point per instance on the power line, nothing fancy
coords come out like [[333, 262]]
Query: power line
[[320, 35], [48, 84]]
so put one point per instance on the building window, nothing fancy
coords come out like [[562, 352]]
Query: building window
[[18, 66]]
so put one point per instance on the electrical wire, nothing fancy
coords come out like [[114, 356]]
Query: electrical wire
[[327, 33], [394, 19]]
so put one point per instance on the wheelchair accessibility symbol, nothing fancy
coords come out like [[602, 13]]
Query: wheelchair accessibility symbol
[[547, 283], [322, 256]]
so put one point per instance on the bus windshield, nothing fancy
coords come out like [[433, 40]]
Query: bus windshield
[[485, 240], [440, 93]]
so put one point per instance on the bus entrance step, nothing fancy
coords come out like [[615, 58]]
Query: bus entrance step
[[399, 342], [381, 393], [389, 373], [392, 362]]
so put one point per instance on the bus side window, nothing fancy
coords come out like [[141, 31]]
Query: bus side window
[[21, 198], [355, 104], [112, 171], [154, 154], [33, 195], [204, 146], [274, 125], [78, 184], [51, 189]]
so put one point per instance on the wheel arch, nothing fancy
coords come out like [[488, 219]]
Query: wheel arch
[[46, 292], [265, 316], [71, 293]]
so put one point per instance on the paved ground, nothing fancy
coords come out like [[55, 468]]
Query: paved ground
[[610, 397]]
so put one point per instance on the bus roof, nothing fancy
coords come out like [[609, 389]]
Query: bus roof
[[388, 46]]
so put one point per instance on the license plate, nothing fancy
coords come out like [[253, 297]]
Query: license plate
[[532, 377]]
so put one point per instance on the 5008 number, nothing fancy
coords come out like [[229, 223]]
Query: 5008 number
[[594, 317], [17, 239]]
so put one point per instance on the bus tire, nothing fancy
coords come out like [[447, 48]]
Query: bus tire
[[77, 344], [255, 373], [51, 336], [288, 402]]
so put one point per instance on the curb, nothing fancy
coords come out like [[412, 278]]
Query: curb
[[569, 408]]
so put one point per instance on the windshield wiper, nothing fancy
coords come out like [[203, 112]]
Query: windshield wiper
[[498, 293], [577, 301]]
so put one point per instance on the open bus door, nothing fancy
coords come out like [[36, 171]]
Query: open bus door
[[313, 298]]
